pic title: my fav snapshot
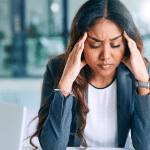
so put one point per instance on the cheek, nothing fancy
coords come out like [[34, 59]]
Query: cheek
[[119, 55], [89, 54]]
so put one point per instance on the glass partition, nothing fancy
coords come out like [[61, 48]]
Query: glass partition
[[44, 30], [5, 39]]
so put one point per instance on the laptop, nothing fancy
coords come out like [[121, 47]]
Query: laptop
[[12, 123]]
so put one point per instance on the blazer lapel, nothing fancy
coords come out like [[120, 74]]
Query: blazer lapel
[[124, 95]]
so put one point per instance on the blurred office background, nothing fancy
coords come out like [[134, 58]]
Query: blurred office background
[[33, 31]]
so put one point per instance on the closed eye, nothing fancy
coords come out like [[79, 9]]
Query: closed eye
[[94, 46], [116, 46], [100, 45]]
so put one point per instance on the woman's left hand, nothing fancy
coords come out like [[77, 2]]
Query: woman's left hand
[[135, 62]]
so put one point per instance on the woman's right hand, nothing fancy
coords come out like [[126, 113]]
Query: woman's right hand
[[74, 63]]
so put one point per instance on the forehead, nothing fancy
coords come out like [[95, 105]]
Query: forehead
[[105, 29]]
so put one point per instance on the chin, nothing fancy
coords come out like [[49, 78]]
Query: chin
[[102, 72]]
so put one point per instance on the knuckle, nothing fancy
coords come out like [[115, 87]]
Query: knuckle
[[133, 43], [78, 44], [70, 55]]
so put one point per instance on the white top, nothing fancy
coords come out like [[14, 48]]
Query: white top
[[101, 122]]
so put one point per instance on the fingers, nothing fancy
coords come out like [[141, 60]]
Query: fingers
[[130, 41], [80, 44], [82, 40], [84, 37]]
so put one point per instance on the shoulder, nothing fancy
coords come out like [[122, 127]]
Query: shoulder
[[54, 61], [53, 65]]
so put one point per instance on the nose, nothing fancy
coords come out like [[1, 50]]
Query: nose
[[105, 54]]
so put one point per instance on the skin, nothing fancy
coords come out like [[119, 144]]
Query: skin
[[104, 52]]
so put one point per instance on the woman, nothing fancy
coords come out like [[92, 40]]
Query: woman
[[89, 95]]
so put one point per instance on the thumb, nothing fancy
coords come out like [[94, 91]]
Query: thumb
[[83, 63]]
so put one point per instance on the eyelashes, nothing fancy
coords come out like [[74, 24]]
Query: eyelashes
[[94, 46], [100, 46], [116, 46]]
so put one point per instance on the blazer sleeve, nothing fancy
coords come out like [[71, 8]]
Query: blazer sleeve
[[140, 125], [56, 129]]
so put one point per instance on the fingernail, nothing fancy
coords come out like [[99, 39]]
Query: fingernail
[[85, 34]]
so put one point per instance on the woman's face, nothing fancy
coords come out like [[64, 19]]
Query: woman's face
[[104, 48]]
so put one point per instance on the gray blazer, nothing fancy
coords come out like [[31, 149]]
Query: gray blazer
[[133, 112]]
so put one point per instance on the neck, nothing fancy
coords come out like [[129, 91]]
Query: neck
[[102, 81]]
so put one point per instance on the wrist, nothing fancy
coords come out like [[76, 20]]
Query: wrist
[[64, 85], [143, 84], [144, 79], [143, 91], [65, 88]]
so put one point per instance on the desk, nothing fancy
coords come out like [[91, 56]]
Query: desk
[[74, 148], [95, 148]]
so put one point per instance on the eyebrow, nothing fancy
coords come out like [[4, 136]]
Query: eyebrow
[[97, 40]]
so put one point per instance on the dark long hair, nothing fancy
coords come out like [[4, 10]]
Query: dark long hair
[[88, 15]]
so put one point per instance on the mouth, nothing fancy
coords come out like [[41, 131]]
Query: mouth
[[104, 66]]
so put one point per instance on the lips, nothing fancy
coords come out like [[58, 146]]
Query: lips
[[104, 66]]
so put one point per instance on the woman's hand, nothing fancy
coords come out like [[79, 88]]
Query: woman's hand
[[74, 63], [135, 62]]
